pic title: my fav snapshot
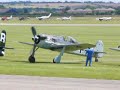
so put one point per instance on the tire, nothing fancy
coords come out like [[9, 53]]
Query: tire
[[54, 61], [96, 60], [31, 59], [118, 46]]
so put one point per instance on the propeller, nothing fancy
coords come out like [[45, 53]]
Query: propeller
[[36, 38], [33, 31]]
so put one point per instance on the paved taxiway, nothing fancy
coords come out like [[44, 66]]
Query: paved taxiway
[[19, 24], [17, 82]]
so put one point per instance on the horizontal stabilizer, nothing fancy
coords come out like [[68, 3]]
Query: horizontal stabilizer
[[8, 48], [100, 52], [117, 49]]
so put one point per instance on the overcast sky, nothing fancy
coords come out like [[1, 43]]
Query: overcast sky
[[60, 0]]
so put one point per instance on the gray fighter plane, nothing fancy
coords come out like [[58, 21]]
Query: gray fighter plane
[[59, 43]]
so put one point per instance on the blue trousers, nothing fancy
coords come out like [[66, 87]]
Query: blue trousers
[[89, 60]]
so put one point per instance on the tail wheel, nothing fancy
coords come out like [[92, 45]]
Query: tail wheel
[[96, 60], [31, 59], [118, 46]]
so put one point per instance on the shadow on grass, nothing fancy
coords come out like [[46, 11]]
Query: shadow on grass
[[49, 62], [110, 64]]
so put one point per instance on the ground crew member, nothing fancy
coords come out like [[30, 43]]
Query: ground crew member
[[89, 54]]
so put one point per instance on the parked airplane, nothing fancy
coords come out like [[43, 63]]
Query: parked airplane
[[6, 18], [3, 42], [104, 18], [59, 43], [44, 17], [55, 43], [66, 18]]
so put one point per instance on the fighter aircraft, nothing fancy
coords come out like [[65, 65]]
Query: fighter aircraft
[[44, 17], [6, 18], [3, 42], [59, 43], [104, 18]]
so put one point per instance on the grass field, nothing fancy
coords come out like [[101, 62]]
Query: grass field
[[75, 20], [16, 61]]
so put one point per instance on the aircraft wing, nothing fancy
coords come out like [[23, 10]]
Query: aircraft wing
[[27, 43], [117, 49], [72, 47]]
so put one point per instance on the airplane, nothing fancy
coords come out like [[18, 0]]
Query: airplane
[[104, 18], [6, 18], [3, 42], [44, 17], [66, 18], [58, 43]]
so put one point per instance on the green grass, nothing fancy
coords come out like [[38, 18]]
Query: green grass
[[15, 62], [75, 20]]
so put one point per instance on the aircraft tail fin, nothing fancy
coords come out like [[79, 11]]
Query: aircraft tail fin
[[2, 42], [99, 49], [49, 15]]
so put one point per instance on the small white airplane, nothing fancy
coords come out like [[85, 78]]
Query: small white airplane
[[6, 18], [66, 18], [44, 17], [104, 18], [59, 43]]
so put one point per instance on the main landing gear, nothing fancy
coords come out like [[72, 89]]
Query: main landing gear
[[57, 59]]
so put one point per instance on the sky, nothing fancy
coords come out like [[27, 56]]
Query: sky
[[61, 0]]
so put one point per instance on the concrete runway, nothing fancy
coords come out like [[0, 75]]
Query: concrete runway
[[17, 82], [19, 24]]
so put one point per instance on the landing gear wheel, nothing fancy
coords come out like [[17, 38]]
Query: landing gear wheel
[[96, 60], [118, 46], [31, 59], [54, 61]]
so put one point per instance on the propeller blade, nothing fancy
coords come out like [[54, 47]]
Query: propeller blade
[[33, 31]]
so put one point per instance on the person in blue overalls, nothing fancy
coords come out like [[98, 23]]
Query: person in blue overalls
[[89, 54]]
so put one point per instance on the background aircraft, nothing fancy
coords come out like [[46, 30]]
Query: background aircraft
[[66, 18], [6, 18], [44, 17], [55, 43], [104, 18]]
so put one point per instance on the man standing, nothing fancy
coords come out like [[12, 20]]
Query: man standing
[[89, 54]]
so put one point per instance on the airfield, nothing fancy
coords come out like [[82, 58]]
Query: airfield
[[72, 67], [45, 83]]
